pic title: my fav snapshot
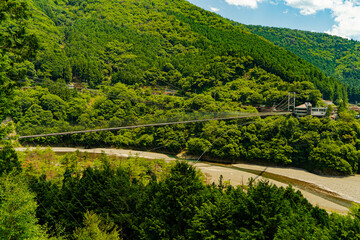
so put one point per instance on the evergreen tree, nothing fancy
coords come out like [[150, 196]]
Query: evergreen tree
[[17, 210], [97, 229], [16, 46], [9, 160]]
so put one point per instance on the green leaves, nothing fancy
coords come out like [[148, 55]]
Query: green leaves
[[171, 203], [16, 45], [9, 161], [17, 210], [329, 157], [96, 228], [335, 56], [179, 205], [14, 39], [197, 146]]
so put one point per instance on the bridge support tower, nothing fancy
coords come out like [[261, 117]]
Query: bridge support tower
[[291, 101]]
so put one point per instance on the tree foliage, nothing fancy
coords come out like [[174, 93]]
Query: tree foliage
[[181, 206], [17, 210], [16, 47], [161, 43], [95, 228], [335, 56], [133, 57]]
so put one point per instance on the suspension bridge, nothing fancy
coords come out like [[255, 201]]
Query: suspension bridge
[[243, 115]]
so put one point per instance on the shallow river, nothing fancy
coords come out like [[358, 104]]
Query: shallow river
[[331, 193]]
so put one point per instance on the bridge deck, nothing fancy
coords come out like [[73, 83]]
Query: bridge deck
[[265, 114]]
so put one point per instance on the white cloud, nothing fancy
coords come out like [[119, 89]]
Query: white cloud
[[214, 9], [347, 17], [286, 11], [308, 7], [346, 14], [245, 3]]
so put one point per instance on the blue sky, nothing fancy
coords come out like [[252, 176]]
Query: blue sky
[[337, 17]]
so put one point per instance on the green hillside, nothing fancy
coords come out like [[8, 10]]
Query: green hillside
[[130, 52], [336, 56], [157, 42]]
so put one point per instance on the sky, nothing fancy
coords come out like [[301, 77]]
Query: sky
[[336, 17]]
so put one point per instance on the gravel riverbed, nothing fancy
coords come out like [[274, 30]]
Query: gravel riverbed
[[347, 188]]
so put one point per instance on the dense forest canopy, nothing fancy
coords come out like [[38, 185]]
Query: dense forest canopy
[[335, 56], [156, 42], [16, 47]]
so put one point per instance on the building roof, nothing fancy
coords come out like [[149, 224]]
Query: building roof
[[355, 108], [328, 102], [305, 105]]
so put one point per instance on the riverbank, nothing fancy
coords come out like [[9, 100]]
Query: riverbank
[[329, 193]]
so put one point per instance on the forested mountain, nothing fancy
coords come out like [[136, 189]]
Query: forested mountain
[[156, 42], [128, 52], [336, 56]]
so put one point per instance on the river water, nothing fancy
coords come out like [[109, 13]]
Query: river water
[[331, 193]]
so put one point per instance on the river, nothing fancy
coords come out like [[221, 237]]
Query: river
[[334, 194]]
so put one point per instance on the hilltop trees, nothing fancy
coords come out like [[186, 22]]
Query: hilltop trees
[[131, 57], [16, 47], [156, 43], [334, 55]]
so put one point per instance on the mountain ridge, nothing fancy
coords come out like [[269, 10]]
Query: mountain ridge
[[338, 57]]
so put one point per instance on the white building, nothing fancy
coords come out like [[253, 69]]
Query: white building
[[307, 109]]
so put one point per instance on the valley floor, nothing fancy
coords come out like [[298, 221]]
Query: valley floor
[[330, 193]]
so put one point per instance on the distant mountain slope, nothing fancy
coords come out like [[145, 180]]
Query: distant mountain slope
[[334, 55], [157, 42]]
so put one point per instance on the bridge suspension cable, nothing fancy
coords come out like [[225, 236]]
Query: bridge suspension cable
[[265, 114]]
